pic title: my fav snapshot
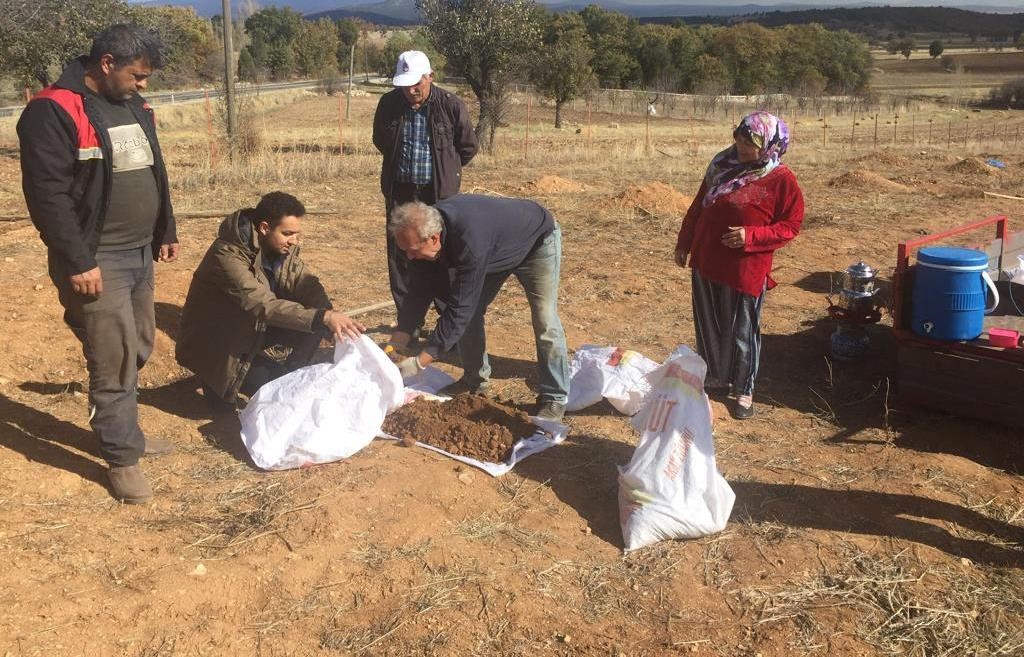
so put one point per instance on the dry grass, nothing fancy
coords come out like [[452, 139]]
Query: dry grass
[[906, 608], [443, 588], [245, 514]]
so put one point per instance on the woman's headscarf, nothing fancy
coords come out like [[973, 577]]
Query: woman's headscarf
[[726, 173]]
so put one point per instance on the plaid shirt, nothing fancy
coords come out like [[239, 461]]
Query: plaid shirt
[[414, 163]]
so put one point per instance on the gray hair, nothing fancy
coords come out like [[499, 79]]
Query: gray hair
[[426, 219]]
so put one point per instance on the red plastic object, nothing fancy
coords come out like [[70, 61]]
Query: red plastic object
[[1000, 337]]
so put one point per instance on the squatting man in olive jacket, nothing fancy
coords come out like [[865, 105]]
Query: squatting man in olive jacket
[[253, 311]]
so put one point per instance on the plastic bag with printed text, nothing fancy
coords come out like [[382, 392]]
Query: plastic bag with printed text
[[325, 412], [672, 487], [617, 374]]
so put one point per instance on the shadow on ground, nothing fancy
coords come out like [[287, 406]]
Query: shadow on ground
[[582, 473], [42, 438]]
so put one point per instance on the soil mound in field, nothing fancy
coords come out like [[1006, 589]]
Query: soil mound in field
[[973, 166], [866, 180], [468, 425], [654, 198], [552, 185], [884, 158]]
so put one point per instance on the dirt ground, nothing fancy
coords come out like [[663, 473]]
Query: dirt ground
[[861, 526], [467, 425]]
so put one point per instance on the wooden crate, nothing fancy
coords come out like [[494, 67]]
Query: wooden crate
[[965, 385]]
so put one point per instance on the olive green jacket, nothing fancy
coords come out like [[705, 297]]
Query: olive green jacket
[[230, 304]]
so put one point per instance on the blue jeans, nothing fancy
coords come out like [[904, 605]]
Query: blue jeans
[[538, 274], [117, 330]]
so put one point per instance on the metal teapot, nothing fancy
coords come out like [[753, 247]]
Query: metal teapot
[[858, 283]]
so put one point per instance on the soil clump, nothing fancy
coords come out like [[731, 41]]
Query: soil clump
[[468, 425], [884, 157], [860, 179], [973, 165], [552, 185], [653, 198]]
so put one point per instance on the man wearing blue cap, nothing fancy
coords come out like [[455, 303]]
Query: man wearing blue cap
[[425, 136]]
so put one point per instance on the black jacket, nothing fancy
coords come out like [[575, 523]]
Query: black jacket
[[482, 235], [67, 167], [451, 135]]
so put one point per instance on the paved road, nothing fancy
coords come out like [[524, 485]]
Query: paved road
[[196, 95]]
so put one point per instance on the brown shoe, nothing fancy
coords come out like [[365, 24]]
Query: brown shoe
[[129, 484], [157, 447]]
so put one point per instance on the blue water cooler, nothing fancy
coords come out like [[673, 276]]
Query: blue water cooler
[[950, 289]]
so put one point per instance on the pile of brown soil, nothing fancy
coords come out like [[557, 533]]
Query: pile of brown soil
[[866, 180], [468, 425], [654, 198], [552, 185], [974, 166], [885, 158]]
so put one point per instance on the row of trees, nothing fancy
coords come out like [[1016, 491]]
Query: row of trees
[[37, 37], [492, 43]]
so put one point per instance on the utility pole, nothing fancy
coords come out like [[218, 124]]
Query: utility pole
[[229, 78]]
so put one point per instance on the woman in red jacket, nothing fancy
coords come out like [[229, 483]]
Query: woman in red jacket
[[749, 204]]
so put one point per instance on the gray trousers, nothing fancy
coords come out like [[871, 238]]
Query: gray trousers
[[728, 325], [116, 330]]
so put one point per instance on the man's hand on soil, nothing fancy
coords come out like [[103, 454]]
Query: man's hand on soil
[[342, 326], [88, 282]]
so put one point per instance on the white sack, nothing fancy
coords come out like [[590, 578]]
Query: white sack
[[618, 375], [671, 487], [322, 413]]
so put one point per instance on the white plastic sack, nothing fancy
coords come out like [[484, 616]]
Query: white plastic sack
[[322, 413], [671, 487], [618, 375]]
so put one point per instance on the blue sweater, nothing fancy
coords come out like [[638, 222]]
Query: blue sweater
[[482, 235]]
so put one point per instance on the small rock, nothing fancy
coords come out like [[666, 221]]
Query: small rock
[[37, 287], [8, 259], [588, 531], [565, 638], [965, 561], [408, 442], [466, 477], [199, 570]]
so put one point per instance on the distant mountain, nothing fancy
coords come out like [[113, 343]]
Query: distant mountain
[[403, 10], [386, 12]]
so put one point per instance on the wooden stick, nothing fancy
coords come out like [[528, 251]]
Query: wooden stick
[[1012, 198], [369, 309]]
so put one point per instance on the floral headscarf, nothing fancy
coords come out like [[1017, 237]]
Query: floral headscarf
[[726, 173]]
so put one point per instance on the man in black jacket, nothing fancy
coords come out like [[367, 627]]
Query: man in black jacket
[[464, 248], [96, 188], [425, 136]]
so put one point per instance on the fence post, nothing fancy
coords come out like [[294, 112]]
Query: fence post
[[876, 132], [590, 127], [209, 129], [824, 132], [930, 131], [341, 125], [949, 133], [967, 131], [647, 133], [526, 141], [853, 131], [895, 122]]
